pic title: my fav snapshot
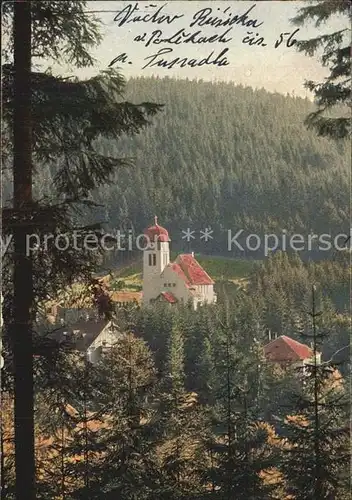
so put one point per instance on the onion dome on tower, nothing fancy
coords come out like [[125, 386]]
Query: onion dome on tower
[[156, 232]]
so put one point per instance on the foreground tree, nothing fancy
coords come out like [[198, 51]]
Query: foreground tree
[[316, 456], [333, 116], [243, 449], [55, 121], [126, 467], [179, 426]]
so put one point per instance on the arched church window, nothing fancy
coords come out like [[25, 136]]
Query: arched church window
[[152, 259]]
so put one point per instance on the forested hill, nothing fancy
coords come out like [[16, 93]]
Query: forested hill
[[229, 157]]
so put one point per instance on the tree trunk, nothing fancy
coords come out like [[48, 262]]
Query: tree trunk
[[22, 277], [317, 430]]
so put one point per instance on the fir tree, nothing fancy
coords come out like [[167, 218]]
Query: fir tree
[[242, 448], [334, 93], [316, 454], [180, 427], [126, 468], [56, 121]]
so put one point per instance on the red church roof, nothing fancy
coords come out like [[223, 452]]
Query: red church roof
[[169, 297], [193, 271], [156, 232], [285, 349], [178, 270]]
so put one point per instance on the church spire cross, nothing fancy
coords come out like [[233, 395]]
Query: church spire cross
[[155, 220]]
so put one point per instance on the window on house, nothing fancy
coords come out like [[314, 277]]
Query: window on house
[[173, 284], [165, 285]]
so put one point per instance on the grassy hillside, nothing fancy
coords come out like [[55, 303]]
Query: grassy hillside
[[219, 268], [222, 268]]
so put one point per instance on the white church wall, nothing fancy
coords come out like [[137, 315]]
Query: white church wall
[[158, 277], [152, 266], [152, 269], [180, 289], [207, 293]]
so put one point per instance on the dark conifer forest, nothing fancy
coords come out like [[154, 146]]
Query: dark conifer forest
[[228, 157], [159, 400], [223, 156], [185, 406]]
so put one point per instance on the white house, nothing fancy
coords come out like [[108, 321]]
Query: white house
[[92, 336], [181, 281]]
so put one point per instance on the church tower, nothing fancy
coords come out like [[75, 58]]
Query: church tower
[[156, 256]]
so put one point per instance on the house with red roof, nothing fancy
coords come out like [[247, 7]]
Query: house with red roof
[[287, 352], [181, 281]]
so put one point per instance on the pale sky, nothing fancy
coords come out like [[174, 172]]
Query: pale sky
[[282, 69]]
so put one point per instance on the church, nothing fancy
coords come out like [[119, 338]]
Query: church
[[181, 281]]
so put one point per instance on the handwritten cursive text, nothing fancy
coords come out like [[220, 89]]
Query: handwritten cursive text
[[204, 18], [156, 37], [128, 15], [157, 60]]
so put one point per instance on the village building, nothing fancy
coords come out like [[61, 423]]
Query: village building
[[289, 353], [126, 298], [181, 281], [92, 337], [68, 315]]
